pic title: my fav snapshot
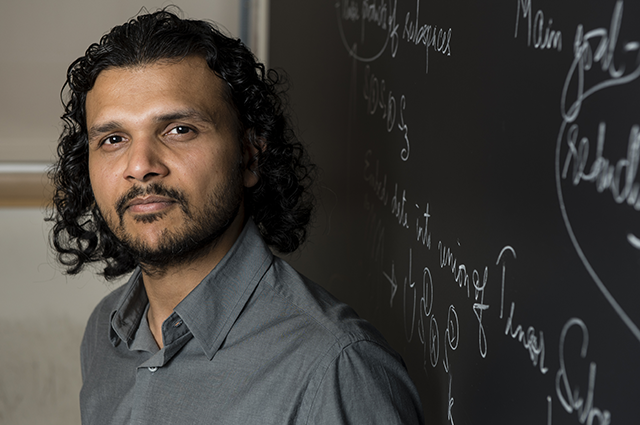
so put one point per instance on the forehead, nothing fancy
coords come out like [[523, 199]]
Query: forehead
[[188, 82]]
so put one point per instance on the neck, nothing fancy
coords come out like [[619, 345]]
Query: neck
[[166, 288]]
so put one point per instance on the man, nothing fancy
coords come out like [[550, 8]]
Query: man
[[177, 163]]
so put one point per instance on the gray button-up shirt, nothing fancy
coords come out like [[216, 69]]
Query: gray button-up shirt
[[254, 343]]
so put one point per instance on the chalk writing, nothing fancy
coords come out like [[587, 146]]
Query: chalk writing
[[461, 277], [619, 64], [427, 34], [459, 271], [404, 128], [543, 36], [374, 92], [604, 174], [378, 98], [585, 57], [599, 59], [568, 394], [532, 343], [479, 307], [529, 340], [397, 207], [350, 11], [501, 259], [434, 342], [426, 304], [422, 232], [374, 12], [451, 334], [382, 16], [393, 282], [378, 185], [408, 282], [633, 240], [416, 311], [451, 401]]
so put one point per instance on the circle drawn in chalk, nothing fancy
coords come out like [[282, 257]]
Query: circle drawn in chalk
[[348, 11]]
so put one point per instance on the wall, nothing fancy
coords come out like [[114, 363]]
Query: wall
[[39, 41], [42, 316]]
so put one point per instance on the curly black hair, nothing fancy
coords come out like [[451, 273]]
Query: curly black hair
[[281, 203]]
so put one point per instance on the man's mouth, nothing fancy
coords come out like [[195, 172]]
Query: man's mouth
[[149, 204], [154, 199]]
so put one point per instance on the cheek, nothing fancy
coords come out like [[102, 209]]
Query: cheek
[[102, 185], [209, 166]]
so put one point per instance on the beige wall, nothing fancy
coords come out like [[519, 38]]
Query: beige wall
[[38, 41], [42, 316], [43, 312]]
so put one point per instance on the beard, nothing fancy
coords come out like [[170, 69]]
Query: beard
[[195, 238]]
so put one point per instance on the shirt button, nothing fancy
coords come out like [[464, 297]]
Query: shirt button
[[153, 369], [177, 324]]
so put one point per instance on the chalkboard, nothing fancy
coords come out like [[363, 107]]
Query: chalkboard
[[479, 194]]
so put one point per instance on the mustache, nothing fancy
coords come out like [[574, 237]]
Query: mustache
[[152, 189]]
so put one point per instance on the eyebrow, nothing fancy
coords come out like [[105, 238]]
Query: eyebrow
[[181, 114]]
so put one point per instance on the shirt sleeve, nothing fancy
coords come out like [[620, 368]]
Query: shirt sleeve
[[366, 384]]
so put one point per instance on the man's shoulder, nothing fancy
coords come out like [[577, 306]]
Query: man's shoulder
[[324, 316], [338, 352]]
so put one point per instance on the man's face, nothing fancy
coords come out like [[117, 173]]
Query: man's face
[[166, 165]]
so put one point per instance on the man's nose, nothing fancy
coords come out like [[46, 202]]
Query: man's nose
[[145, 160]]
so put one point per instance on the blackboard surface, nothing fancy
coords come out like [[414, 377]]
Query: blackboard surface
[[480, 194]]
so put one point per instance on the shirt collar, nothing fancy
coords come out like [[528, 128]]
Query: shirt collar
[[125, 319], [211, 309]]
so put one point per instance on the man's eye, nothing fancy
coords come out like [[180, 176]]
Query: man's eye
[[112, 140], [181, 129]]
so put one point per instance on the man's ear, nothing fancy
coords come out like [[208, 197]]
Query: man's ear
[[250, 158]]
